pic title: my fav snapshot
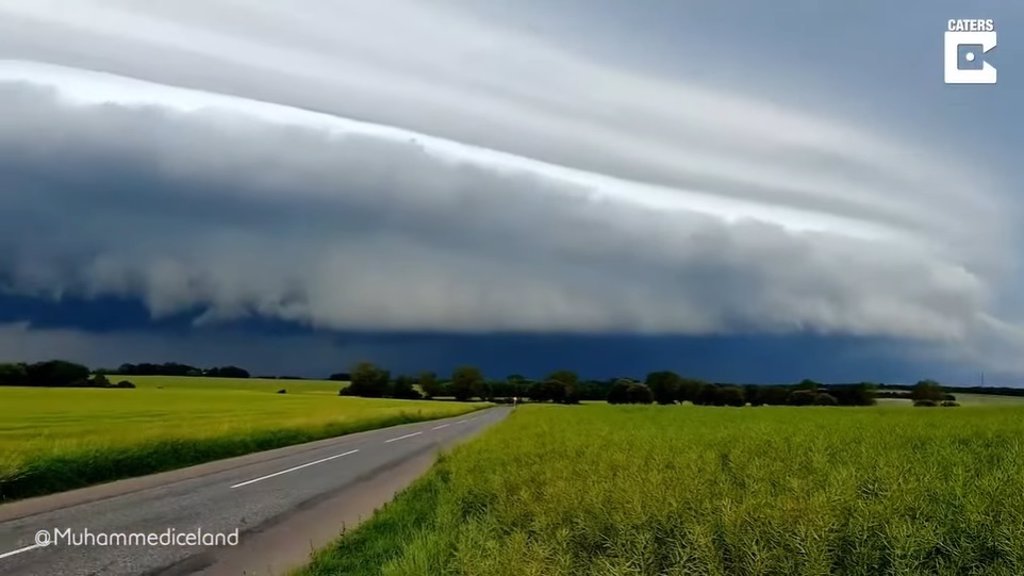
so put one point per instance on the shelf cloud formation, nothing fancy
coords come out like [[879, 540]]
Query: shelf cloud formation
[[409, 166]]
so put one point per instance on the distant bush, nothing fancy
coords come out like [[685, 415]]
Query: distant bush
[[928, 390], [368, 381], [893, 394], [707, 396], [773, 395], [282, 391], [561, 387], [466, 381], [802, 397], [949, 404], [807, 384], [825, 399], [124, 384], [165, 369], [226, 372], [664, 386], [403, 388], [619, 392], [640, 394], [731, 396], [926, 403], [52, 374], [430, 385], [569, 384], [715, 395], [688, 389], [862, 394], [56, 373], [13, 375]]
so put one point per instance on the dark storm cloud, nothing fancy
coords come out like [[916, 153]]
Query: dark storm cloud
[[353, 231]]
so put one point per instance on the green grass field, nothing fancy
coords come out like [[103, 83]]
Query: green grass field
[[54, 439], [711, 491]]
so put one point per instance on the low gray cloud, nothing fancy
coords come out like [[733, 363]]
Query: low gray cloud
[[244, 216]]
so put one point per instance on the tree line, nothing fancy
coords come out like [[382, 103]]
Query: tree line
[[176, 369], [562, 387], [663, 387], [55, 374]]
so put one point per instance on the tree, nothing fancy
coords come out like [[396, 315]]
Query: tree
[[708, 396], [861, 394], [807, 384], [13, 375], [340, 377], [227, 372], [773, 395], [619, 392], [752, 392], [928, 390], [402, 388], [56, 373], [640, 394], [664, 386], [466, 380], [567, 377], [547, 390], [825, 399], [731, 396], [689, 389], [516, 385], [482, 389], [429, 385], [569, 384], [804, 397], [368, 381]]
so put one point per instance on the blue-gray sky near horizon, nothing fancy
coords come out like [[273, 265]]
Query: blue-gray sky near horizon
[[739, 190]]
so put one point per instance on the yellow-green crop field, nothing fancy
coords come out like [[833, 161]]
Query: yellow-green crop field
[[58, 438], [688, 490]]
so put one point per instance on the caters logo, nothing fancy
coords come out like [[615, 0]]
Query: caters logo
[[967, 43]]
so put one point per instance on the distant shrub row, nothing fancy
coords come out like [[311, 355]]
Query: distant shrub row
[[565, 387], [55, 373], [468, 383], [176, 369]]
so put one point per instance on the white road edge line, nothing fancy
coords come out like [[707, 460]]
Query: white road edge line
[[461, 421], [20, 550], [403, 437], [294, 468], [441, 426]]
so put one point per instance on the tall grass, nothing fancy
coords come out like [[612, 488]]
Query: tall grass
[[58, 439], [711, 491]]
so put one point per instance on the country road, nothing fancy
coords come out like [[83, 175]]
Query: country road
[[284, 503]]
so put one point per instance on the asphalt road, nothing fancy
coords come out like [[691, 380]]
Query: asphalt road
[[284, 503]]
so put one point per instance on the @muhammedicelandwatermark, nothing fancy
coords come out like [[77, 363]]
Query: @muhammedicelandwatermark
[[168, 537]]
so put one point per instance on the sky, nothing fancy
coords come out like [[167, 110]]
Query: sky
[[737, 191]]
